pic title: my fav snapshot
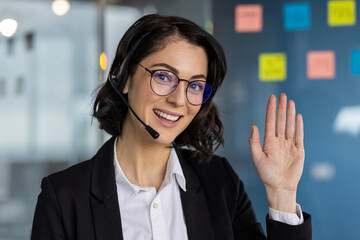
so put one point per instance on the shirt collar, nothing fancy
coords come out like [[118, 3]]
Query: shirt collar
[[128, 190], [174, 169]]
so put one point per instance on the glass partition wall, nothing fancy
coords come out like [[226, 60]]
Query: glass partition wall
[[49, 70]]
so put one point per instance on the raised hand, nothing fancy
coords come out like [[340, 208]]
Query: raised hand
[[279, 163]]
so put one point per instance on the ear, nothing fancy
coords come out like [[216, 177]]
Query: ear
[[126, 87]]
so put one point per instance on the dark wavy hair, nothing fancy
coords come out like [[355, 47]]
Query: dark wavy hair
[[146, 36]]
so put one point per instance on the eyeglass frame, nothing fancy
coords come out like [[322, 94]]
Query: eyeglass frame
[[179, 80]]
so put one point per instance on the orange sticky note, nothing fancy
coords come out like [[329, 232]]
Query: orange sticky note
[[248, 18], [320, 64]]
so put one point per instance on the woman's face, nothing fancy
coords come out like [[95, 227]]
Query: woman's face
[[188, 62]]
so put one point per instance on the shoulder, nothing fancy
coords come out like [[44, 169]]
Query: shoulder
[[75, 179], [216, 172], [222, 186], [78, 177]]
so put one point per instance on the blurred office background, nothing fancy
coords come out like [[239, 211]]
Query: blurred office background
[[53, 62]]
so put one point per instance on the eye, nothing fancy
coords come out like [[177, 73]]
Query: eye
[[196, 87], [163, 77]]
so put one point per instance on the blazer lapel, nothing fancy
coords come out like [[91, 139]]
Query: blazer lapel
[[104, 200], [194, 204]]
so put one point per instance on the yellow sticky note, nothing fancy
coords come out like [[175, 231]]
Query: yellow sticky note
[[341, 13], [272, 67]]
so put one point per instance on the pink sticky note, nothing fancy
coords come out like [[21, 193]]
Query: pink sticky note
[[248, 18], [320, 64]]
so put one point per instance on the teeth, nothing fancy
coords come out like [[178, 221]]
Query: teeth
[[166, 116]]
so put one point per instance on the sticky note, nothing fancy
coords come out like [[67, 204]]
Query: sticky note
[[297, 16], [341, 13], [320, 64], [272, 67], [248, 18], [355, 62]]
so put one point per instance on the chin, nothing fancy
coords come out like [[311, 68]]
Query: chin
[[165, 139]]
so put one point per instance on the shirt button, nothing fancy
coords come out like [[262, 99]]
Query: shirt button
[[155, 205]]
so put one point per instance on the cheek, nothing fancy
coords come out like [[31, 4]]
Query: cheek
[[140, 92], [193, 111]]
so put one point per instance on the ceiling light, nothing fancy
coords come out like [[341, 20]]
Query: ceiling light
[[60, 7], [8, 27]]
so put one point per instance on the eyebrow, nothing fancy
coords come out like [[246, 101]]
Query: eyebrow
[[171, 68]]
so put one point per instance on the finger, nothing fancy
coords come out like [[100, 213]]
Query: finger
[[299, 133], [290, 121], [270, 118], [255, 145], [281, 116]]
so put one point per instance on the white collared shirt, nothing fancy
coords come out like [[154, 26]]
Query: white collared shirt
[[150, 215]]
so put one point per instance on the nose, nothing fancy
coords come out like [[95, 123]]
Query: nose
[[178, 97]]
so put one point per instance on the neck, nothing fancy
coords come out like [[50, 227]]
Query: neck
[[143, 161]]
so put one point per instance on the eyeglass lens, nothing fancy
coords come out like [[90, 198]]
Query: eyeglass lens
[[164, 82]]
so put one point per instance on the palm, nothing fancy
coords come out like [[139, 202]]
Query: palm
[[279, 162]]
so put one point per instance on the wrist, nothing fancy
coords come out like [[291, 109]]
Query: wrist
[[283, 200]]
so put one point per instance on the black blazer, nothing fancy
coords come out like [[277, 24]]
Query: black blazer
[[81, 203]]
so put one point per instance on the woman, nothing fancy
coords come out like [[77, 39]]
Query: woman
[[168, 184]]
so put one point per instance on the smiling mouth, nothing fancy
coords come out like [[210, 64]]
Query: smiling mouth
[[167, 117]]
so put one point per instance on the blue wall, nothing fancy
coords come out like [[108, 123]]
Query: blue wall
[[329, 188]]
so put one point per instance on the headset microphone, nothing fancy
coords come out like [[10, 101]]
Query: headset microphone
[[115, 81]]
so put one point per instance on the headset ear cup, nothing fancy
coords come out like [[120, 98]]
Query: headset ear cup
[[118, 78], [112, 77]]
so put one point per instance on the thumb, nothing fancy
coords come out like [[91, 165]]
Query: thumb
[[255, 146]]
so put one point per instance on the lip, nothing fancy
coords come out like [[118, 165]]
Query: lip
[[165, 123], [169, 112]]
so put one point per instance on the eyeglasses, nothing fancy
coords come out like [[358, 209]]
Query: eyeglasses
[[164, 82]]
